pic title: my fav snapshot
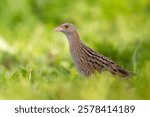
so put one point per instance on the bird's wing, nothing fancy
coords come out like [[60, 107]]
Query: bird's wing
[[102, 63], [110, 66], [115, 68]]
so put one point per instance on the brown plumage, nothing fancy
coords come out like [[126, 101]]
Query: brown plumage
[[87, 60]]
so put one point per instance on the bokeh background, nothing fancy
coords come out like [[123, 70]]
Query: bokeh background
[[35, 61]]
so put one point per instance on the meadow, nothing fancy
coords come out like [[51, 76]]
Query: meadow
[[35, 62]]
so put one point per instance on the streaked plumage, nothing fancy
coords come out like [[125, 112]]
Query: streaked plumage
[[87, 60]]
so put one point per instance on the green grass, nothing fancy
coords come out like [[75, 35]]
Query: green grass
[[35, 61]]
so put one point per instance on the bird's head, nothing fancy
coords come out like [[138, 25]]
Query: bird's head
[[66, 28]]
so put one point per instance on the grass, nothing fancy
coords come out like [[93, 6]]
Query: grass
[[35, 62]]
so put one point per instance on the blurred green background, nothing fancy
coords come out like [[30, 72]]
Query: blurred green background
[[35, 61]]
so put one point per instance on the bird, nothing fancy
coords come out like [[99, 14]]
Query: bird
[[87, 60]]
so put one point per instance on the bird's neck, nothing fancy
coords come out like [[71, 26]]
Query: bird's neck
[[73, 39], [74, 44]]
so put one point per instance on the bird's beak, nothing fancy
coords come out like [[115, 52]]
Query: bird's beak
[[59, 29]]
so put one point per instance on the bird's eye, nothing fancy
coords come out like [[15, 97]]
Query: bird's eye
[[66, 26]]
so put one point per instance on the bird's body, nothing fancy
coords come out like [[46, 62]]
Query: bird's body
[[87, 60]]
